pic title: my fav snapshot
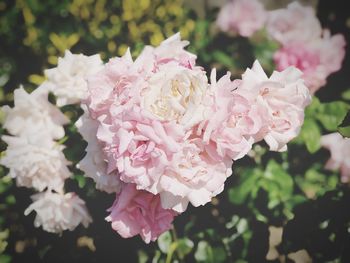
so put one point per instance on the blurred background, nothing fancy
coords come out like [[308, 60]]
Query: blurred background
[[34, 33]]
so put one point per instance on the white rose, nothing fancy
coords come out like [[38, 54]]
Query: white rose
[[32, 114], [38, 163], [67, 81], [58, 212]]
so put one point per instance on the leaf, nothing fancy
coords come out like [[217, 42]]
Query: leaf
[[142, 256], [219, 254], [5, 258], [313, 107], [10, 200], [332, 114], [344, 127], [58, 42], [223, 58], [164, 241], [81, 179], [184, 247], [345, 131], [311, 135], [36, 79], [238, 194], [204, 252], [314, 183], [72, 40], [157, 257], [275, 172], [346, 95]]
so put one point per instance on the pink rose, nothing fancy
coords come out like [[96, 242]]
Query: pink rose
[[281, 100], [232, 123], [146, 111], [340, 152], [316, 59], [244, 17], [139, 212], [192, 176], [296, 23]]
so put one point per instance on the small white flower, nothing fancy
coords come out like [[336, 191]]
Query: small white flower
[[68, 81], [58, 212], [33, 113], [93, 164], [37, 163]]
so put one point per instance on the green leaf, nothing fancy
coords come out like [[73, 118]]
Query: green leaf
[[184, 247], [10, 199], [247, 182], [204, 252], [344, 127], [346, 95], [345, 131], [5, 258], [157, 257], [276, 173], [313, 107], [81, 179], [314, 183], [164, 241], [223, 58], [219, 254], [332, 114], [311, 135], [142, 256]]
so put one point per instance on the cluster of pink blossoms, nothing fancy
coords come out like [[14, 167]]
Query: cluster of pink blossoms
[[163, 137], [297, 29], [305, 45]]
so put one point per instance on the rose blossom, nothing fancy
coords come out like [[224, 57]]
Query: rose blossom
[[93, 164], [37, 162], [176, 93], [316, 59], [232, 122], [32, 114], [146, 111], [282, 99], [192, 176], [244, 17], [58, 212], [340, 152], [67, 81], [296, 23], [139, 212]]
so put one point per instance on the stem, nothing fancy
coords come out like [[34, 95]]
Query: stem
[[174, 234]]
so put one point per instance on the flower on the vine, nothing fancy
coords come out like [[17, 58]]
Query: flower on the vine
[[37, 162], [68, 81], [56, 212], [137, 212]]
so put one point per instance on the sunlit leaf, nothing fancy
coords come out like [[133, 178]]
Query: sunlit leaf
[[164, 241], [204, 252], [311, 135], [247, 182], [332, 114]]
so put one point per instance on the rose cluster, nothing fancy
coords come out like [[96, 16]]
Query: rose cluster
[[160, 136], [34, 155], [303, 42]]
